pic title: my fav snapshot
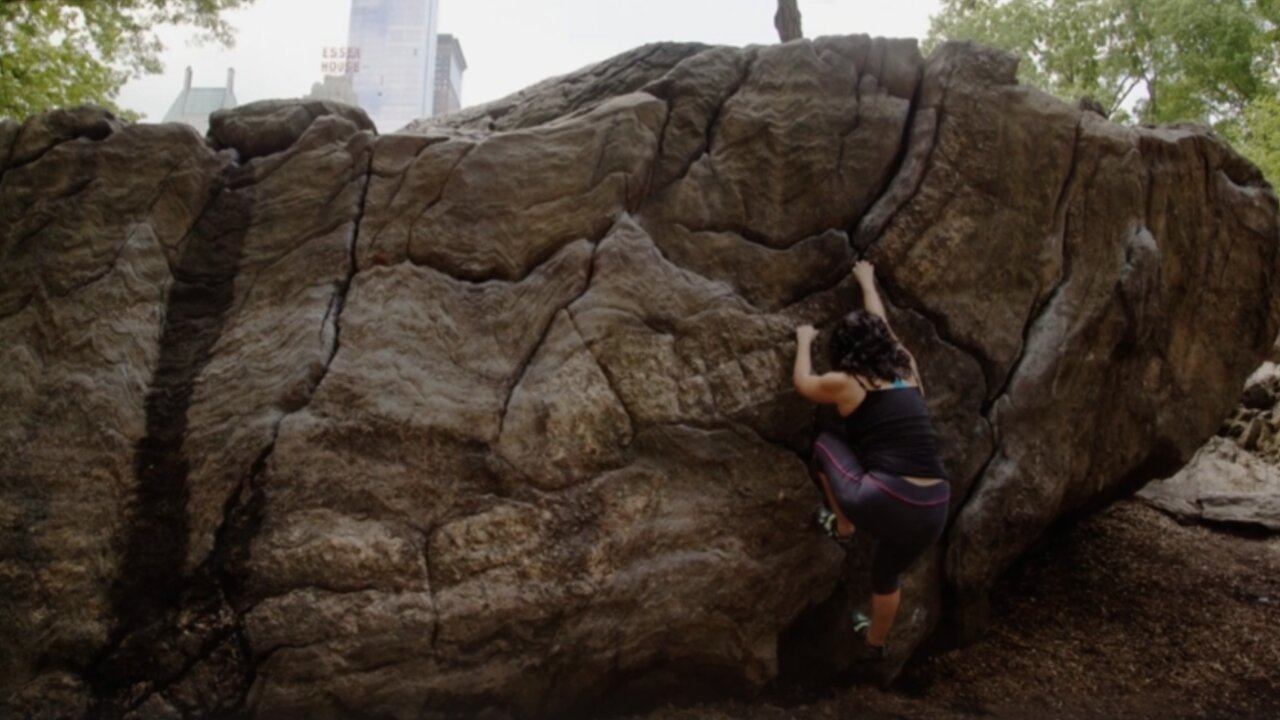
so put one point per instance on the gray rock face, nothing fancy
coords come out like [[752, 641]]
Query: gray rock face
[[1235, 478], [302, 420]]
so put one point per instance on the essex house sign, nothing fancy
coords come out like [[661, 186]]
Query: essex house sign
[[340, 60]]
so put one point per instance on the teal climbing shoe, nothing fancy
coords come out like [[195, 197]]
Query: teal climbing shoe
[[826, 522], [862, 625]]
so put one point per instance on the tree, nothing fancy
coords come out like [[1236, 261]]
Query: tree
[[787, 21], [1207, 61], [55, 53], [1260, 136]]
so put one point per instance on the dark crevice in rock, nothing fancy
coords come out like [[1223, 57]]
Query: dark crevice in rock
[[523, 367], [1036, 317], [801, 453], [430, 202], [242, 517], [920, 136], [72, 190], [31, 234], [150, 582], [609, 379], [670, 260], [1148, 214], [742, 231], [533, 264], [264, 656], [27, 299], [900, 298], [910, 168], [258, 170], [996, 448], [853, 128], [28, 240], [334, 314], [1062, 219], [708, 130], [592, 90], [714, 120], [431, 587], [1062, 216], [955, 625], [95, 277], [403, 174], [160, 612], [1210, 195], [264, 270], [243, 512], [596, 169], [427, 205], [1207, 165], [647, 191], [844, 143]]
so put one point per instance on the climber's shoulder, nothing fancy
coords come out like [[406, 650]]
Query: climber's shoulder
[[833, 388]]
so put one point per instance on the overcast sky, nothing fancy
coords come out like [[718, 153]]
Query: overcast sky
[[509, 44]]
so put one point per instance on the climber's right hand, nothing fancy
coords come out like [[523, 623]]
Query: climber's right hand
[[864, 271]]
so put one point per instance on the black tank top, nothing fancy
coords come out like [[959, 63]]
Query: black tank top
[[891, 432]]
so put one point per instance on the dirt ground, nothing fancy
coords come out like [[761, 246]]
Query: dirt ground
[[1126, 615]]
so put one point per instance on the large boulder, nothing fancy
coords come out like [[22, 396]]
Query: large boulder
[[302, 420]]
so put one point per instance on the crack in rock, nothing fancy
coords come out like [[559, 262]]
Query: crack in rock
[[695, 346]]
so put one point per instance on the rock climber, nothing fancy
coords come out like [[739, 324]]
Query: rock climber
[[882, 474]]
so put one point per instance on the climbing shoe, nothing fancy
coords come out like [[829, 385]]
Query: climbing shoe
[[861, 625], [826, 522]]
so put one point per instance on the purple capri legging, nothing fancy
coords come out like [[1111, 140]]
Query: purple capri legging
[[902, 517]]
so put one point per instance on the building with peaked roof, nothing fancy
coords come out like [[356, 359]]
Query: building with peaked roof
[[195, 104], [450, 64]]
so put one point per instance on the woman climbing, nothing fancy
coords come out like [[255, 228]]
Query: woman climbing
[[884, 475]]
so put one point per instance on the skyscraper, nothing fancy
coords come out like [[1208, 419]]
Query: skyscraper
[[394, 44], [450, 63]]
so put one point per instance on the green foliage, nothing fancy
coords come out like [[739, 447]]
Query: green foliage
[[55, 53], [1207, 61], [1260, 141]]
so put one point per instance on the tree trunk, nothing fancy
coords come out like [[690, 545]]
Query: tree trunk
[[787, 20]]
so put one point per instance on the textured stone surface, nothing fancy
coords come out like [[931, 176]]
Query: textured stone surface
[[304, 420], [1235, 478]]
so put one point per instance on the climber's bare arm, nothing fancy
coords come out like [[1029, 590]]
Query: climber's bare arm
[[865, 273], [828, 389]]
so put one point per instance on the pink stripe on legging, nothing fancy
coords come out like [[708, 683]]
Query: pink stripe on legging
[[843, 471], [888, 491]]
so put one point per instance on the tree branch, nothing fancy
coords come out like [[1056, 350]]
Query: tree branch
[[1121, 97]]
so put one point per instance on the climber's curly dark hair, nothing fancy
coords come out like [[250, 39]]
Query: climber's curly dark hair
[[862, 345]]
